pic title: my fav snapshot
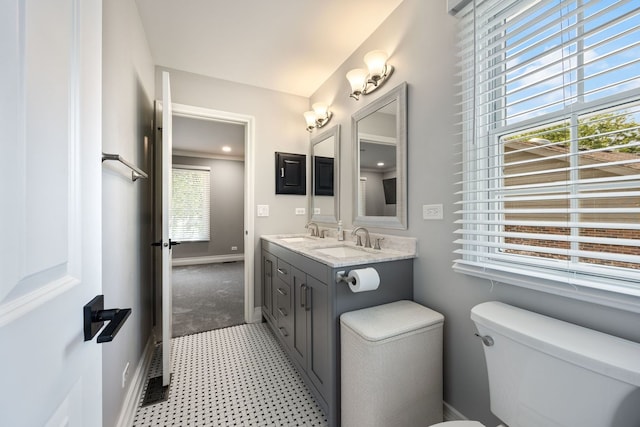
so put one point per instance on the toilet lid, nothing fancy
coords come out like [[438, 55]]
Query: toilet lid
[[464, 423]]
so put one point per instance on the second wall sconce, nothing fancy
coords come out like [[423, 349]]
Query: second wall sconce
[[318, 117], [366, 81]]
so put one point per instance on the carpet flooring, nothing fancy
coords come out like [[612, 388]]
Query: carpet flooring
[[207, 297]]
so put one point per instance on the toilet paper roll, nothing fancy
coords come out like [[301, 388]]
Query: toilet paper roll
[[364, 279]]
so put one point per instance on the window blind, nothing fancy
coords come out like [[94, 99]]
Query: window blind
[[190, 203], [549, 193]]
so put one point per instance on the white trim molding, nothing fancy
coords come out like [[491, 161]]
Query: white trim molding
[[178, 262], [136, 386]]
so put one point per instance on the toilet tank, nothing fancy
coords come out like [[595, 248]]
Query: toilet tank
[[544, 372]]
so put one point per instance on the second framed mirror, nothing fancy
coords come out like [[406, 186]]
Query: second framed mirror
[[379, 132], [325, 176]]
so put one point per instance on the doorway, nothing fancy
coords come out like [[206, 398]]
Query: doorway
[[207, 219], [243, 253]]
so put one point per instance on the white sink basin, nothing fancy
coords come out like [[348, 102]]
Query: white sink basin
[[342, 252], [295, 239]]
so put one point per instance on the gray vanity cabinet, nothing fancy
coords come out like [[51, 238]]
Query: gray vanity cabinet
[[307, 302], [311, 328], [283, 304], [268, 269], [301, 310], [318, 339]]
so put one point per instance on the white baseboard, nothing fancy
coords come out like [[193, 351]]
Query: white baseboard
[[450, 413], [257, 315], [136, 386], [178, 262]]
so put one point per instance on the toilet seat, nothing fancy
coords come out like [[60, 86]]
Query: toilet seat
[[465, 423]]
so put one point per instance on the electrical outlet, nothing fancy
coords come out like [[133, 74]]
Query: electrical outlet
[[432, 211], [263, 210], [125, 375], [300, 211], [234, 248]]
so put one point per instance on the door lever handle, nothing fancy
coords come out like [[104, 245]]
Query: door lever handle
[[95, 315], [169, 245]]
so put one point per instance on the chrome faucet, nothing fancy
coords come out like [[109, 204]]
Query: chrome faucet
[[314, 232], [367, 239]]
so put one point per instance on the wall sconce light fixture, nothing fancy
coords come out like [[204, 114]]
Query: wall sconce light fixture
[[318, 117], [366, 81]]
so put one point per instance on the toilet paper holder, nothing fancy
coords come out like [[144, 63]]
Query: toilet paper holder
[[343, 276]]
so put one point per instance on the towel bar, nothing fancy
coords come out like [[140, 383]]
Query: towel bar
[[136, 172]]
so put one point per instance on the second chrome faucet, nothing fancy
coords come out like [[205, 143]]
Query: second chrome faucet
[[367, 239]]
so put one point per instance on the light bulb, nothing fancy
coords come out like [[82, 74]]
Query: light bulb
[[320, 108], [310, 118], [376, 61], [357, 79]]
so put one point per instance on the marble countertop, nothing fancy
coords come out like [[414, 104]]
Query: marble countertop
[[393, 248]]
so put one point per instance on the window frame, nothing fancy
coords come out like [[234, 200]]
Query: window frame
[[539, 274], [207, 221]]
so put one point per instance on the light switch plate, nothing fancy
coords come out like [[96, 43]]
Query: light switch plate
[[316, 211], [263, 210], [300, 211], [432, 211]]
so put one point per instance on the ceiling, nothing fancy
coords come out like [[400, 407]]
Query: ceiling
[[199, 136], [291, 46]]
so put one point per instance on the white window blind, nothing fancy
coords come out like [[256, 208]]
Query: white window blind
[[550, 145], [190, 203]]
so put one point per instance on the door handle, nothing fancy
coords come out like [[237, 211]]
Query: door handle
[[95, 315], [169, 245], [303, 296]]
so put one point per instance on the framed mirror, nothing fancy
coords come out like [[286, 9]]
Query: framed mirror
[[325, 176], [379, 135]]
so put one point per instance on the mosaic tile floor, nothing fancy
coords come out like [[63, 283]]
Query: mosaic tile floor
[[237, 376]]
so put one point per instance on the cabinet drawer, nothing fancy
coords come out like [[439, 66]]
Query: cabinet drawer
[[283, 299], [283, 271], [283, 311]]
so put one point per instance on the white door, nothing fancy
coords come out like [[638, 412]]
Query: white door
[[167, 296], [50, 211]]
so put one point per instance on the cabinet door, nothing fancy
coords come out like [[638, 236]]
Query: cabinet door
[[268, 269], [291, 173], [318, 357], [300, 313]]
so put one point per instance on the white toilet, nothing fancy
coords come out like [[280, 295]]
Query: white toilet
[[546, 372]]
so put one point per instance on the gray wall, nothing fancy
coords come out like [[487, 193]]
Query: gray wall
[[227, 209], [420, 37], [127, 114], [279, 126]]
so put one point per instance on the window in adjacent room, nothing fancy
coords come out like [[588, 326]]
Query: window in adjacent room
[[550, 195], [190, 203]]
